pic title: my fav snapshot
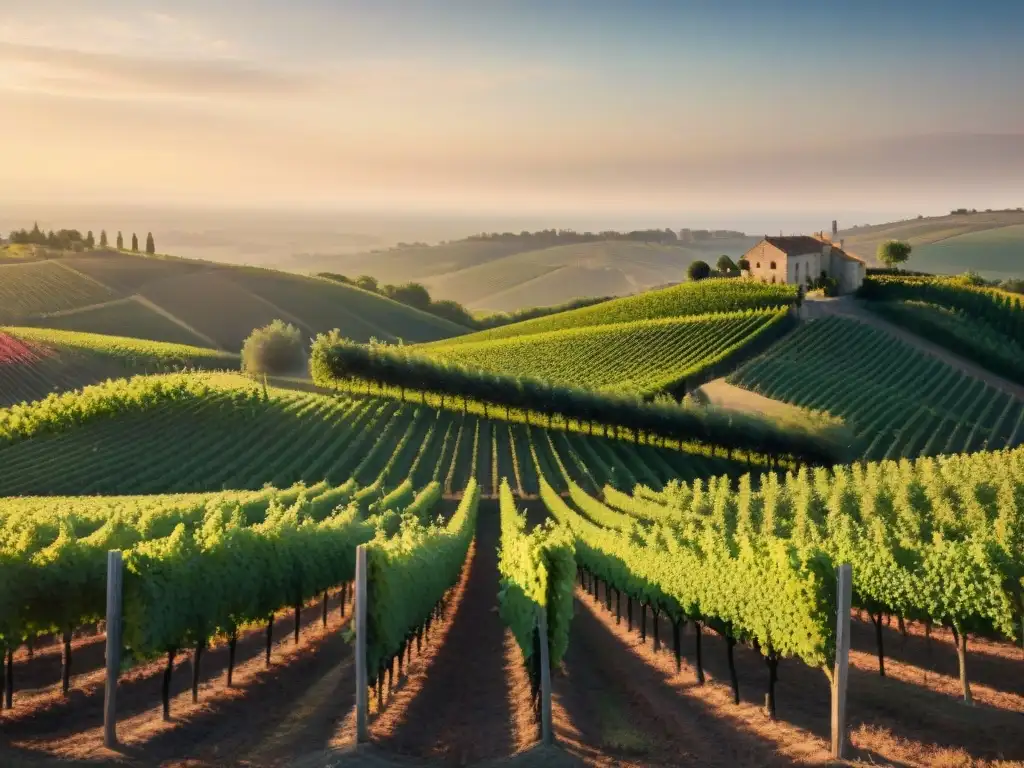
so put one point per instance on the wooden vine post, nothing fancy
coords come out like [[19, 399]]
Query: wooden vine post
[[359, 616], [844, 595], [546, 732], [115, 573]]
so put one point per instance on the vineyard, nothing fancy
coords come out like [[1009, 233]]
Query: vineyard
[[227, 574], [39, 362], [642, 356], [901, 402], [959, 332], [466, 550], [704, 298], [227, 427]]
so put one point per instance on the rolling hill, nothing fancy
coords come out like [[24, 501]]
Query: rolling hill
[[36, 362], [991, 243], [195, 302], [504, 276]]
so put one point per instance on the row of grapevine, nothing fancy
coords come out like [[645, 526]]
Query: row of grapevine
[[959, 332], [939, 540], [1001, 311], [700, 298], [711, 579], [407, 578], [205, 432], [900, 402], [538, 571], [344, 365], [644, 356]]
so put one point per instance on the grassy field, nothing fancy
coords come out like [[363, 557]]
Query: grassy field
[[722, 295], [994, 253], [644, 356], [989, 243], [126, 317], [45, 286], [900, 402], [504, 276], [222, 305]]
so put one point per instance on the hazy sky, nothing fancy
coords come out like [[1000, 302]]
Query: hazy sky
[[532, 105]]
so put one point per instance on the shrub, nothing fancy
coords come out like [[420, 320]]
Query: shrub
[[275, 348], [699, 270]]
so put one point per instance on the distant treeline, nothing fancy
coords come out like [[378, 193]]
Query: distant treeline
[[73, 240], [416, 295], [546, 238]]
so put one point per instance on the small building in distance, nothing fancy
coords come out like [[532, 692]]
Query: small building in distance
[[799, 259]]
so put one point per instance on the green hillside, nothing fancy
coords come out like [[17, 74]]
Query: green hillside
[[233, 436], [502, 276], [991, 243], [35, 362], [645, 356], [901, 402], [197, 302], [705, 297]]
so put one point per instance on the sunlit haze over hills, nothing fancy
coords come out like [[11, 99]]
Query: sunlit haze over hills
[[574, 113]]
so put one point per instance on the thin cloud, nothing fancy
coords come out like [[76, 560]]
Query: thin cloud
[[77, 72]]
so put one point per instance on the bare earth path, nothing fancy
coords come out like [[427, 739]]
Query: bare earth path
[[461, 707]]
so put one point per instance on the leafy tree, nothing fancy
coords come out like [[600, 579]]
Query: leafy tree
[[135, 242], [893, 252], [103, 238], [726, 264], [368, 283], [412, 294], [743, 264], [120, 242], [150, 245], [89, 240], [276, 348], [699, 270], [452, 310]]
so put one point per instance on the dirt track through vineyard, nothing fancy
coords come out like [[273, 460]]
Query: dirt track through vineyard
[[458, 705]]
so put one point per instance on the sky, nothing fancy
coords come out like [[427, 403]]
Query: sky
[[531, 106]]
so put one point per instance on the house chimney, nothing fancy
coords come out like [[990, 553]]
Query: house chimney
[[841, 244], [835, 229]]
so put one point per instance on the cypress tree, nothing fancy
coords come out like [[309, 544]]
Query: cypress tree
[[150, 245], [120, 242], [103, 238], [135, 242]]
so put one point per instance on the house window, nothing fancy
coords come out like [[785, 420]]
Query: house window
[[798, 271], [773, 265], [759, 265]]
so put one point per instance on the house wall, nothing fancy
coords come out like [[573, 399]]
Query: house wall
[[849, 273], [803, 268], [761, 258]]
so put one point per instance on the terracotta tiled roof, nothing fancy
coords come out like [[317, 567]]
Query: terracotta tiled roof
[[796, 244]]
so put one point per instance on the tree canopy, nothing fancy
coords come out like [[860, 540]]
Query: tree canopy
[[276, 348], [893, 252], [699, 270], [726, 265], [150, 245]]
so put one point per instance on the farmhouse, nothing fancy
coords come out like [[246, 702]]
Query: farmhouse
[[800, 259]]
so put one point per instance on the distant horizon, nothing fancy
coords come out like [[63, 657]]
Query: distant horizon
[[584, 111]]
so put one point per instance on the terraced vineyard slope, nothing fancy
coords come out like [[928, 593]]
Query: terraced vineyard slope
[[901, 402]]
